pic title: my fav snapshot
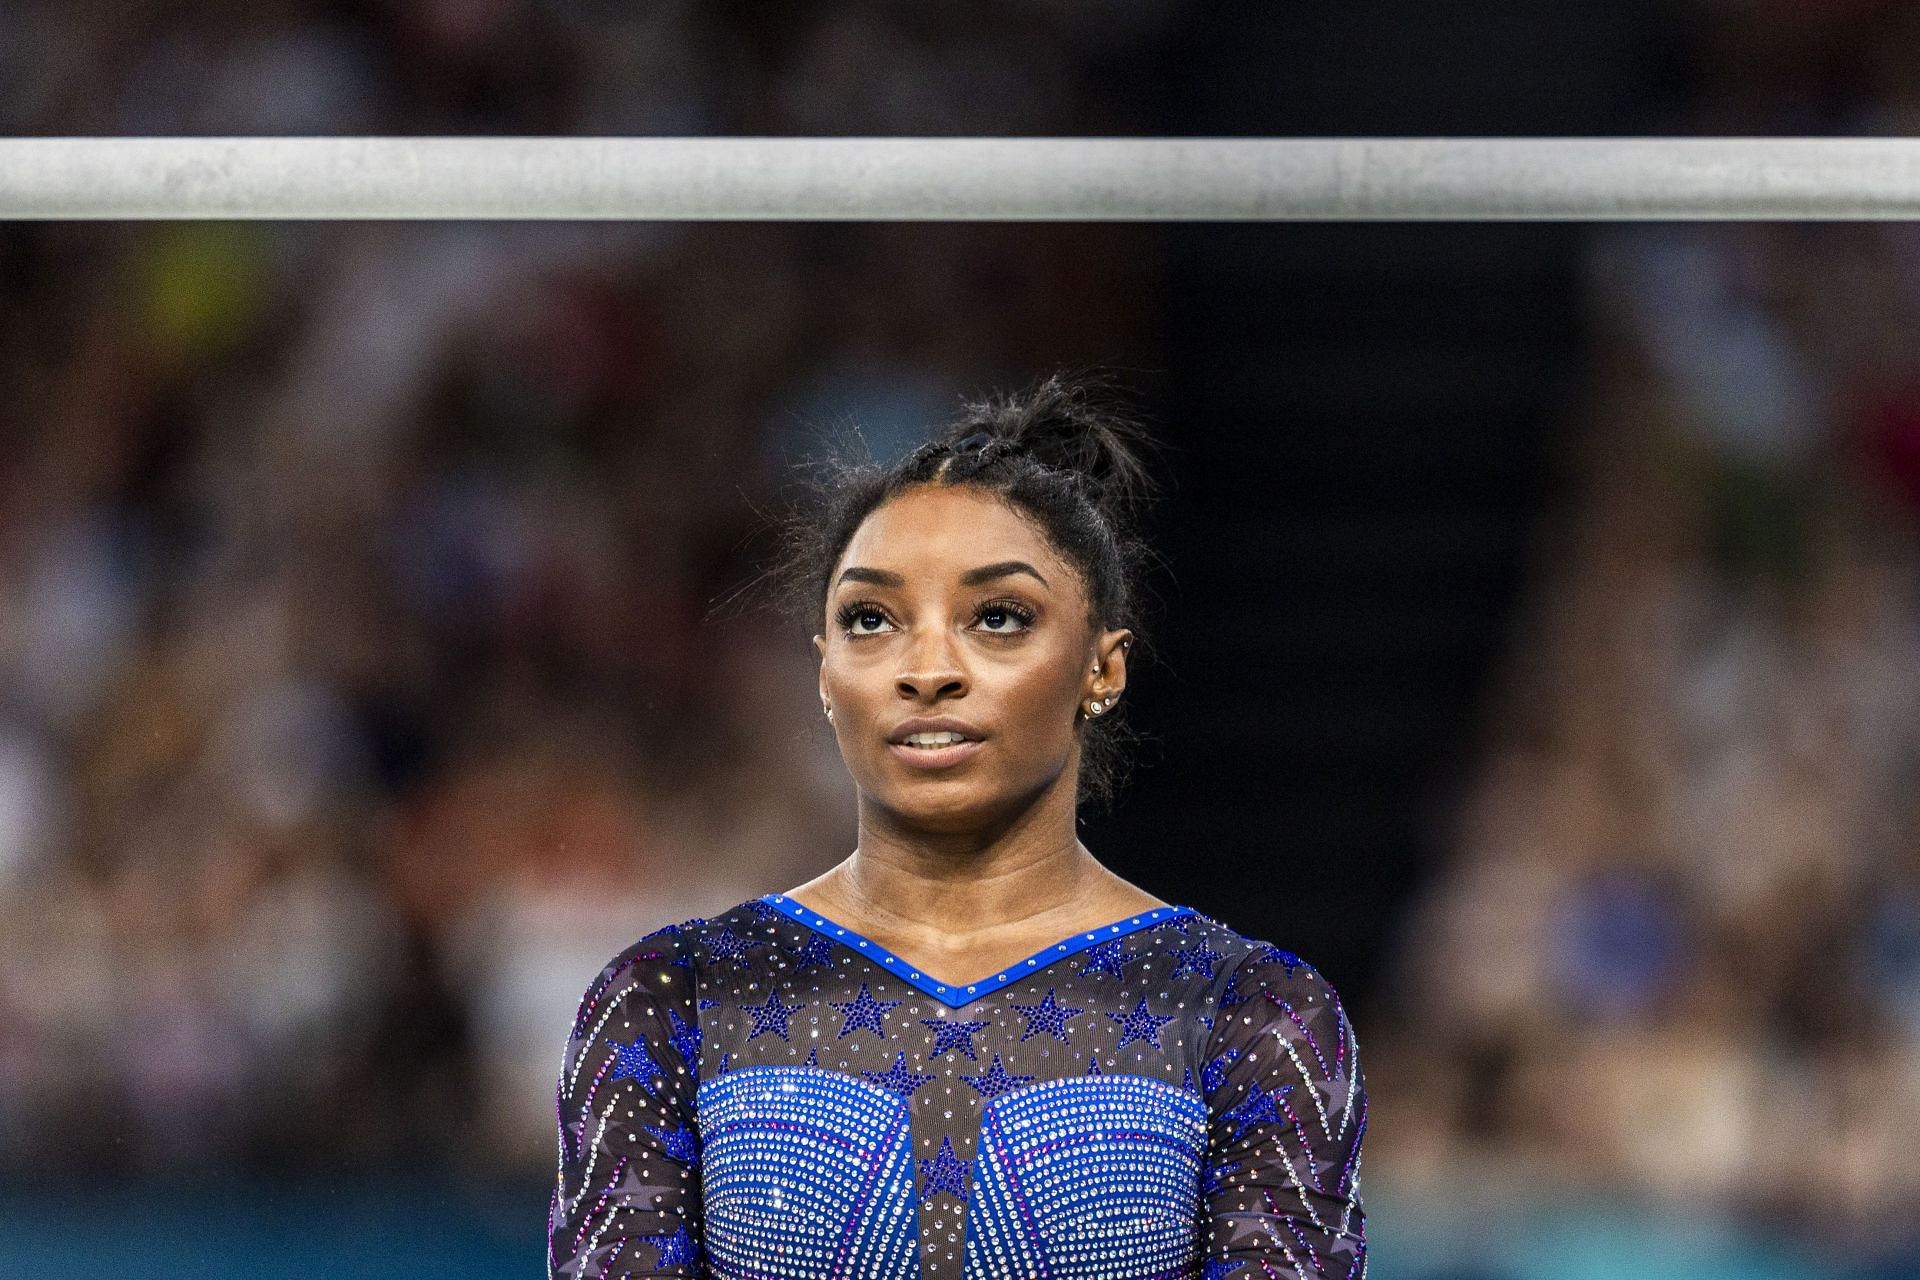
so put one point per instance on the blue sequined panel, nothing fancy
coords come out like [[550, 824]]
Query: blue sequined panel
[[806, 1173], [1087, 1178]]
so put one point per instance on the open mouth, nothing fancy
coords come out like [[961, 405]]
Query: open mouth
[[934, 741], [934, 751]]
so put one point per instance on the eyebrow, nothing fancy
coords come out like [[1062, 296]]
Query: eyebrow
[[971, 578]]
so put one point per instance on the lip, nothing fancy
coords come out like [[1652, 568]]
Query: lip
[[934, 757], [932, 724]]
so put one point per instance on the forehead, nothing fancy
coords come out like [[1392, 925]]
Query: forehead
[[945, 530]]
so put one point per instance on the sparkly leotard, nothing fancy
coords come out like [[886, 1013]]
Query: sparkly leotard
[[767, 1095]]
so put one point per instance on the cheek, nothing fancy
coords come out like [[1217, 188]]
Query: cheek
[[1041, 699]]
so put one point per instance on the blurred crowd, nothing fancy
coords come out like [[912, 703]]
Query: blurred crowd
[[369, 669], [1677, 947], [372, 658]]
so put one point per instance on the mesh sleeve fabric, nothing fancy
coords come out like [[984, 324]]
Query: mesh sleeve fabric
[[626, 1198], [1287, 1106]]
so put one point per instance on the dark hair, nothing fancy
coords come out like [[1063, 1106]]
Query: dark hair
[[1067, 453]]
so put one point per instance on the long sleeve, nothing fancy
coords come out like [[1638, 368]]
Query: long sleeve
[[626, 1198], [1287, 1106]]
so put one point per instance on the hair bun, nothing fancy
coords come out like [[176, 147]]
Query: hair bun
[[1075, 422]]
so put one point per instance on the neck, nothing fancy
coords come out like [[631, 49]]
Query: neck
[[1017, 874]]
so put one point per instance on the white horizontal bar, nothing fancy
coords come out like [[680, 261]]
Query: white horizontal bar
[[963, 179]]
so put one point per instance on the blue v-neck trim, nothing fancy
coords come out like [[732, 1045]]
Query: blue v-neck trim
[[954, 996]]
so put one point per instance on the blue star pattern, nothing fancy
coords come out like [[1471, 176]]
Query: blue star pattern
[[685, 1037], [634, 1061], [774, 1058], [817, 954], [1199, 958], [772, 1016], [898, 1078], [727, 945], [676, 1249], [1257, 1107], [1139, 1025], [954, 1034], [864, 1012], [1215, 1072], [1108, 957], [944, 1171], [995, 1081], [1049, 1017], [1231, 995]]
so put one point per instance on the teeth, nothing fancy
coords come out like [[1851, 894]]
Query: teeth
[[934, 739]]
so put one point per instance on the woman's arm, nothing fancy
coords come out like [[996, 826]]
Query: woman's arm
[[1287, 1106], [626, 1198]]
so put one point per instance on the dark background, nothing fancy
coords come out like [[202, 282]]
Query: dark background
[[1371, 413]]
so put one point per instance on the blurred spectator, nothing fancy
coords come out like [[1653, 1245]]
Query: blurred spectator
[[1675, 952], [368, 674]]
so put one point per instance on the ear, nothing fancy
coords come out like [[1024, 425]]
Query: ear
[[1110, 653], [820, 646]]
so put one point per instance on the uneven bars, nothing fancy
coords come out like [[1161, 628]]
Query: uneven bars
[[962, 179]]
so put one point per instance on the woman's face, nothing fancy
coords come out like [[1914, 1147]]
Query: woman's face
[[946, 603]]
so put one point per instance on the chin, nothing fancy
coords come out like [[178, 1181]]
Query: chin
[[940, 805]]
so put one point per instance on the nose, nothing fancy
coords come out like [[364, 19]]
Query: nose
[[932, 670]]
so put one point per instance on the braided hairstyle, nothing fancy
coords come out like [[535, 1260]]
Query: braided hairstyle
[[1068, 454]]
